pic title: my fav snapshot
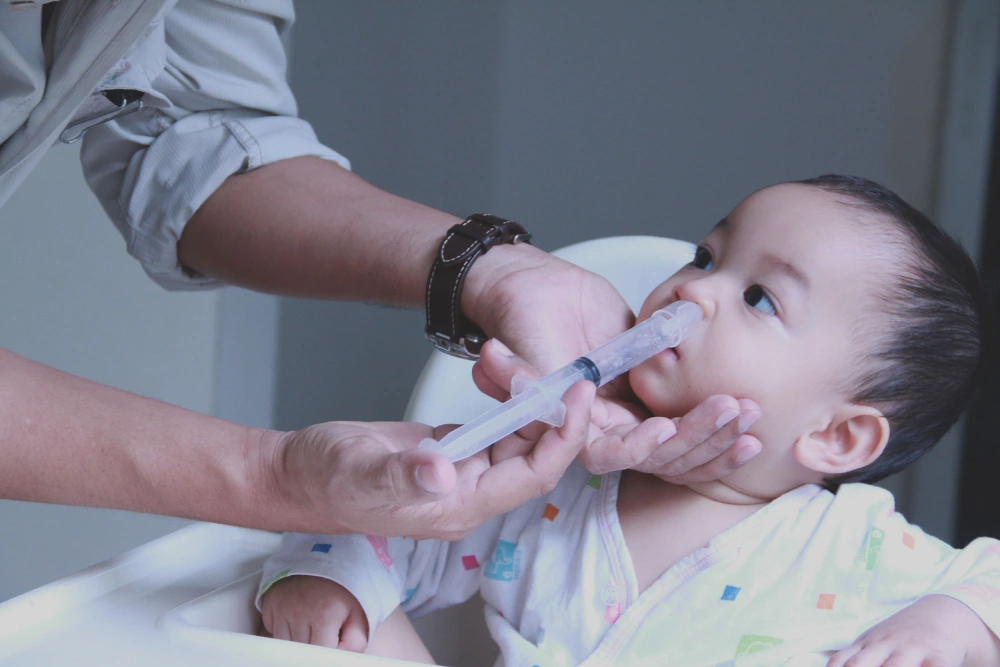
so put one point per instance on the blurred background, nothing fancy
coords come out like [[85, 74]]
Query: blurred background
[[579, 119]]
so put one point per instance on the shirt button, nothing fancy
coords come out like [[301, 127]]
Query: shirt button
[[610, 595]]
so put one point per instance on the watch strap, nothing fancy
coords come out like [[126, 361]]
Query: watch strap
[[447, 327]]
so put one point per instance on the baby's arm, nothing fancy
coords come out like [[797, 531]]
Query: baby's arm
[[935, 630], [314, 610], [953, 617], [358, 581]]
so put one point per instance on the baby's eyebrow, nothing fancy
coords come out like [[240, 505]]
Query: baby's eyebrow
[[790, 270], [721, 225]]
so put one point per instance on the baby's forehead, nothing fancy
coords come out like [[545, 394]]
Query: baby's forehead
[[833, 242], [811, 213]]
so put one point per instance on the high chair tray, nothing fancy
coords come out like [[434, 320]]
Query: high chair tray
[[184, 599]]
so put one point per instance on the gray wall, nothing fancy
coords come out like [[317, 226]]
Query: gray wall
[[590, 119]]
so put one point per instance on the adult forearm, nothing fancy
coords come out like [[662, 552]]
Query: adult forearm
[[66, 440], [307, 227]]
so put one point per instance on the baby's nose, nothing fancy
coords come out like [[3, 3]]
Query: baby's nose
[[697, 292]]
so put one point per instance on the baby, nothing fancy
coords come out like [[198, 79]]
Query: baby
[[855, 324]]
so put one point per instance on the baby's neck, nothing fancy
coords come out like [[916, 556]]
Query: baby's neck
[[664, 522], [723, 493]]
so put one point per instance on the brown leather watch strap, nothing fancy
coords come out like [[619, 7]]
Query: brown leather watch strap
[[447, 327]]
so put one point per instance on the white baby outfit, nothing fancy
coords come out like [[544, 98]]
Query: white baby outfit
[[799, 579]]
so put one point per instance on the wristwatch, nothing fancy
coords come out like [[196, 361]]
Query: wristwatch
[[447, 327]]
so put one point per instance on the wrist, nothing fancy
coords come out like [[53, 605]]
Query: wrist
[[483, 296], [276, 504]]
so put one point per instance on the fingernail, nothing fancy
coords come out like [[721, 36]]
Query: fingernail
[[747, 453], [501, 348], [666, 434], [726, 417], [746, 420], [426, 479]]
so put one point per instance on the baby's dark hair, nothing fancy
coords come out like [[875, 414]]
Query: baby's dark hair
[[922, 371]]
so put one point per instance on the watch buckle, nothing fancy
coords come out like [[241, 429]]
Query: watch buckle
[[456, 349]]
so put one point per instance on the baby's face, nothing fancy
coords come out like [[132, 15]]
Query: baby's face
[[786, 282]]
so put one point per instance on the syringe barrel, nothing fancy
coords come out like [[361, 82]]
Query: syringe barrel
[[541, 398], [665, 328]]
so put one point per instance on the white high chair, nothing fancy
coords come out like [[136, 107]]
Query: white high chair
[[187, 598]]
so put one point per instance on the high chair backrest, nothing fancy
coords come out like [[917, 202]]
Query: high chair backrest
[[445, 392]]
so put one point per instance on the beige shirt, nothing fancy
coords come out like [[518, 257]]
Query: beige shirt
[[215, 102]]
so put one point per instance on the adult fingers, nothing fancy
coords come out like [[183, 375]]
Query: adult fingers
[[496, 366], [745, 448], [627, 447], [707, 431], [410, 477], [515, 480]]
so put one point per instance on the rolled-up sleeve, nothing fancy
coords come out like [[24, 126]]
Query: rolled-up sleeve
[[224, 107]]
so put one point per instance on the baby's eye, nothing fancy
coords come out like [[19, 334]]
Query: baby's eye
[[702, 259], [756, 297]]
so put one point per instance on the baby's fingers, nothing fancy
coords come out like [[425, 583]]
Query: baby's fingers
[[868, 656], [877, 654], [354, 633], [322, 629]]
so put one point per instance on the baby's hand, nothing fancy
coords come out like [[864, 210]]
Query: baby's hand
[[313, 610], [936, 630]]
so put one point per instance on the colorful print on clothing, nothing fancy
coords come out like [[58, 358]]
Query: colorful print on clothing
[[754, 643], [506, 562], [381, 547], [826, 601], [470, 562], [875, 539], [730, 593], [594, 481], [909, 540], [321, 548], [551, 512]]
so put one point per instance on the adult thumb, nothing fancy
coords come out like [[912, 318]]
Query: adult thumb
[[414, 476]]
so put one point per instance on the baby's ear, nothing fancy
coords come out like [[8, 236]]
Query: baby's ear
[[854, 436]]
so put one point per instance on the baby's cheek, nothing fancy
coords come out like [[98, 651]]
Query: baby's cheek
[[639, 378], [660, 396]]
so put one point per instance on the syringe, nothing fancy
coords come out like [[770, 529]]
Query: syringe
[[541, 399]]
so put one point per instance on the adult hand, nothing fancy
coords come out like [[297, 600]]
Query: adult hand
[[708, 443], [357, 477], [546, 309]]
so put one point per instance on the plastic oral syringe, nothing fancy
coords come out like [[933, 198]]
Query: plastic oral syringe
[[541, 399]]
